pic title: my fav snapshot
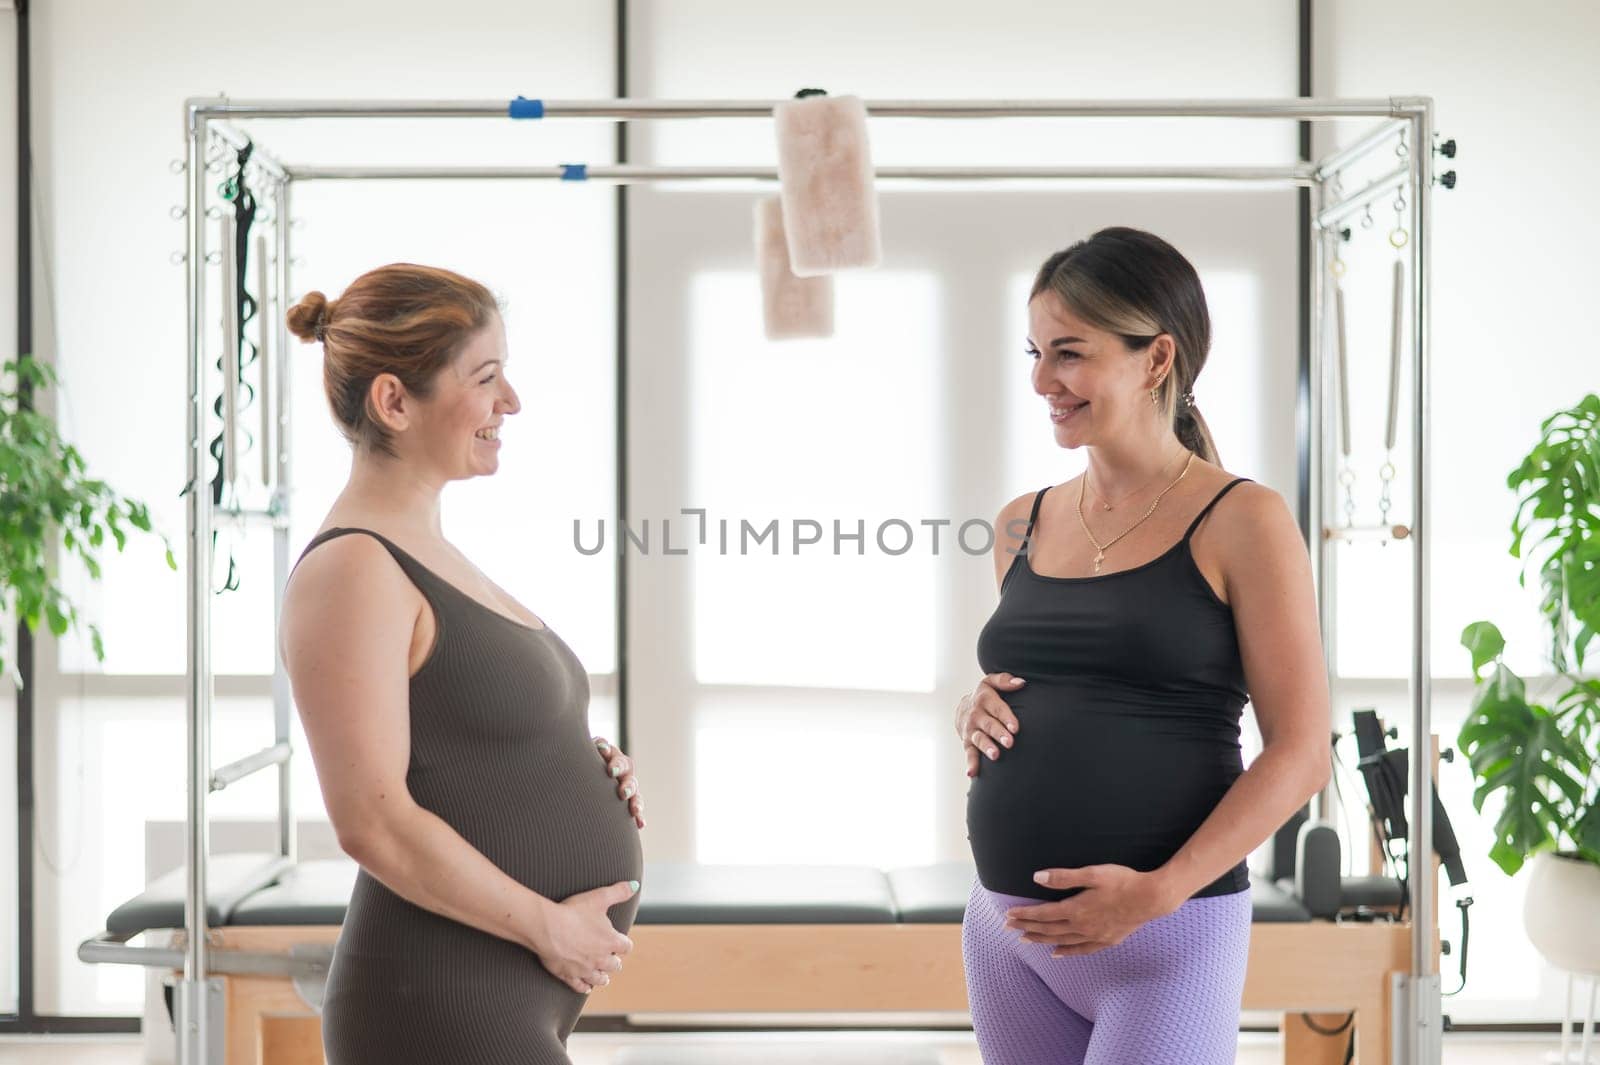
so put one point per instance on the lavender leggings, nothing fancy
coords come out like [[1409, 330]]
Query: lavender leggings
[[1167, 995]]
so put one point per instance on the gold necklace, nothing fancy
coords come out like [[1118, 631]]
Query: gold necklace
[[1104, 505], [1100, 548]]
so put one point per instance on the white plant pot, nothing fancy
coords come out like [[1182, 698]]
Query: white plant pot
[[1561, 912]]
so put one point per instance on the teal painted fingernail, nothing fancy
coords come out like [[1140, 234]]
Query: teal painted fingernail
[[634, 884], [616, 771]]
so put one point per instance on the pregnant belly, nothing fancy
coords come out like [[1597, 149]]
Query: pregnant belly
[[1095, 780], [577, 839], [555, 825]]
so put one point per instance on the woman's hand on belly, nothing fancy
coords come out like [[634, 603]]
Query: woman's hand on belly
[[1114, 902], [620, 767], [983, 720], [576, 941]]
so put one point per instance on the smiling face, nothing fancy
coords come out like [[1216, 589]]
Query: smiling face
[[1096, 387], [457, 427]]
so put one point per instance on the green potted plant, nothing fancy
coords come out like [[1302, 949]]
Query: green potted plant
[[46, 498], [1542, 753]]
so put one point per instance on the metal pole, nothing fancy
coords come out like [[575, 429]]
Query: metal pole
[[620, 392], [1424, 1043], [1396, 178], [192, 1036], [624, 174], [27, 799], [1321, 448], [625, 109], [1341, 159], [228, 245], [237, 140], [282, 701]]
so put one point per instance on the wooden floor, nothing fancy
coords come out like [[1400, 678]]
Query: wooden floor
[[792, 1048]]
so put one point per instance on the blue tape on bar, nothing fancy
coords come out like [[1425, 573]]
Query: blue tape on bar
[[574, 171], [522, 107]]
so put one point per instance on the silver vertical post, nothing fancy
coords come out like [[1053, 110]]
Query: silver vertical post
[[1424, 1045], [1316, 429], [282, 703], [228, 245], [193, 1031], [266, 371]]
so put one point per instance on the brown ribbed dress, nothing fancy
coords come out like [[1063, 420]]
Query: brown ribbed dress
[[500, 750]]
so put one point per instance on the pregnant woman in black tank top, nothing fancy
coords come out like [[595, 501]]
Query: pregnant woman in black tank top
[[1109, 811], [1132, 703], [499, 847]]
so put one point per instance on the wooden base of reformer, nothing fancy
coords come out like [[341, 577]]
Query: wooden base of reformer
[[1325, 969]]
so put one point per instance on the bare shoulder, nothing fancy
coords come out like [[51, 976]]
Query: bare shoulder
[[343, 588], [1252, 508], [1016, 510], [1010, 526], [1255, 538]]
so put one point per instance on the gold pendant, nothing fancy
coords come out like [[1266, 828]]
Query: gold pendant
[[1101, 557]]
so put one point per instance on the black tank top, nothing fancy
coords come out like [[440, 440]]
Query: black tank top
[[1129, 720]]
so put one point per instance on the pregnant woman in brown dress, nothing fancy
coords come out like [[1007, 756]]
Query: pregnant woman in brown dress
[[499, 847]]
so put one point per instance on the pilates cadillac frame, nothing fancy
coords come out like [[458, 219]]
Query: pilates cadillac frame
[[210, 124]]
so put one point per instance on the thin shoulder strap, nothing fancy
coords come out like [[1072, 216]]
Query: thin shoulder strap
[[1026, 545], [1198, 518], [1033, 516]]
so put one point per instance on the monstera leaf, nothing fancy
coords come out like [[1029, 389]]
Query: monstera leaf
[[1528, 753], [1558, 492], [1588, 834]]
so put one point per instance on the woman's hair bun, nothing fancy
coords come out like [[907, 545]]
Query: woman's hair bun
[[308, 317]]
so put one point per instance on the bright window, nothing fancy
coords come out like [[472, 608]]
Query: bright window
[[840, 431]]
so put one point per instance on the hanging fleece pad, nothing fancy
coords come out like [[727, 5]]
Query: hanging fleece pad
[[791, 307], [830, 207]]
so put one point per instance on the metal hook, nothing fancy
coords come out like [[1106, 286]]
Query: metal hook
[[178, 212], [178, 258], [1366, 217]]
